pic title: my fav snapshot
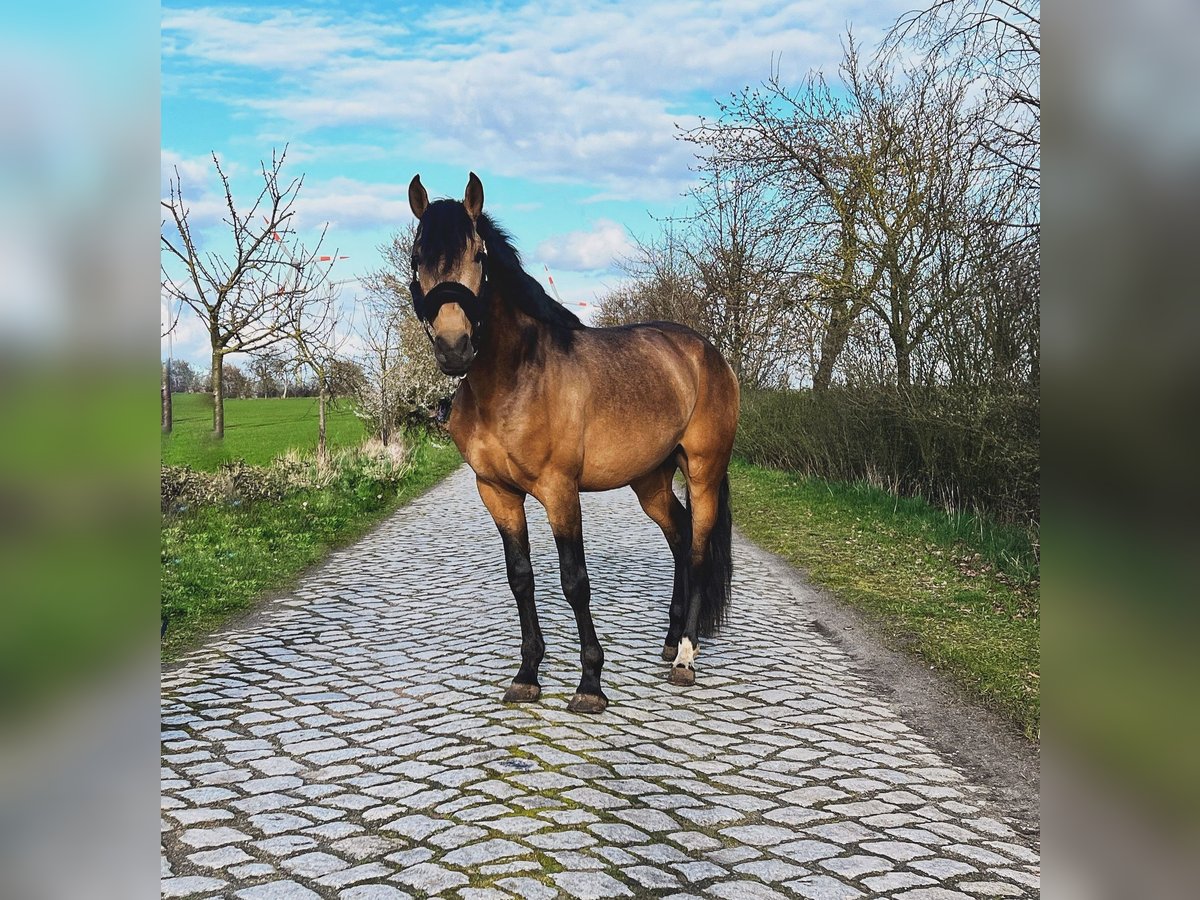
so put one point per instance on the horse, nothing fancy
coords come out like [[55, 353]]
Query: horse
[[549, 407]]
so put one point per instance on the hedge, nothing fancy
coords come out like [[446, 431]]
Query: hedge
[[965, 449]]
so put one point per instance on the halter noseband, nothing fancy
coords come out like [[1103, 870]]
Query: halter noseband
[[474, 306]]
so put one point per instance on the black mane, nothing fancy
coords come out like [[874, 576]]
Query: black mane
[[445, 227], [504, 266]]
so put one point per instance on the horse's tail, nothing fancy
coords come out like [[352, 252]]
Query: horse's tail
[[718, 566]]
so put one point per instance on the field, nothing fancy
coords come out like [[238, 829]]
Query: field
[[256, 430], [959, 591]]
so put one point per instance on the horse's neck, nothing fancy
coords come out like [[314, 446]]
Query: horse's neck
[[498, 368]]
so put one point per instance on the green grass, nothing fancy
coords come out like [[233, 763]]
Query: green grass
[[959, 591], [217, 560], [256, 430]]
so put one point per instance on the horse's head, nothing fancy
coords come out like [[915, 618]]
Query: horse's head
[[449, 285]]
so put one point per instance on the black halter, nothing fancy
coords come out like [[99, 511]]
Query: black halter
[[475, 306]]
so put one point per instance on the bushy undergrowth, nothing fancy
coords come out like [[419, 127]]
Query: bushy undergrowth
[[235, 483], [964, 449]]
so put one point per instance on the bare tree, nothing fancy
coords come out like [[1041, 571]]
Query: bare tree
[[743, 250], [271, 370], [997, 43], [896, 200], [725, 271], [991, 335], [242, 294], [184, 378], [346, 376], [379, 332], [312, 329], [920, 220], [237, 385], [662, 284], [995, 46], [802, 143], [167, 386], [166, 404]]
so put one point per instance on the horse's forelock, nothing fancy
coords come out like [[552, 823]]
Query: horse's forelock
[[444, 232]]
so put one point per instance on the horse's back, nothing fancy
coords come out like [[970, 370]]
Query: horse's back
[[712, 373], [649, 347], [656, 364]]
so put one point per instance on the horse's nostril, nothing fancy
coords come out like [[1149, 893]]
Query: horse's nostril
[[460, 346]]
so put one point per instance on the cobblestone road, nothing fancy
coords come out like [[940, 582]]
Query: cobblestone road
[[349, 742]]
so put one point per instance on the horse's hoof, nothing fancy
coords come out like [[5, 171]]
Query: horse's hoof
[[670, 651], [522, 693], [588, 703], [683, 676]]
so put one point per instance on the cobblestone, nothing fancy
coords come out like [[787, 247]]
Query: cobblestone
[[190, 885], [374, 892], [349, 742]]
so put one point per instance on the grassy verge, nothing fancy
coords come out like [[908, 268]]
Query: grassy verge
[[256, 430], [959, 591], [216, 560]]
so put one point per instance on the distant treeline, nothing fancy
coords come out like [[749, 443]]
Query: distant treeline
[[260, 378]]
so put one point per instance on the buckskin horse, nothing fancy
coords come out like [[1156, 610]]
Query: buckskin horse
[[550, 407]]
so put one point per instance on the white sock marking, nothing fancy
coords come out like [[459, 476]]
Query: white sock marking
[[686, 654]]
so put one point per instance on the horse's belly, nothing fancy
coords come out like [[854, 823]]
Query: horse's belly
[[614, 463]]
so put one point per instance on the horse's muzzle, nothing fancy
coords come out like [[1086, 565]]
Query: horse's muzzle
[[454, 359]]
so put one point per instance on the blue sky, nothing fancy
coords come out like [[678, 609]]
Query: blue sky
[[566, 110]]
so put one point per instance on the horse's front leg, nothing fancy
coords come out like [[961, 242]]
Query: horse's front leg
[[566, 522], [508, 510]]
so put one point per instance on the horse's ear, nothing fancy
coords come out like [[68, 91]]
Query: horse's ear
[[418, 199], [473, 198]]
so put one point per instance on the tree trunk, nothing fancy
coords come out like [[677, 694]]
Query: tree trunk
[[903, 363], [322, 398], [385, 431], [833, 341], [166, 398], [218, 392]]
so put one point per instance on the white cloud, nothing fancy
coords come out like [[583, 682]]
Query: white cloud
[[584, 251], [196, 173], [577, 91], [278, 40], [349, 204]]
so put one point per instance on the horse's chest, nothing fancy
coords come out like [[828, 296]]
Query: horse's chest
[[511, 453]]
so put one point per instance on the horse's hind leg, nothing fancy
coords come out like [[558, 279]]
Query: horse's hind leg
[[708, 568], [508, 511], [660, 504]]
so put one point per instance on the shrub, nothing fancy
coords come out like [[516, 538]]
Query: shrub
[[964, 449], [233, 482], [361, 470]]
